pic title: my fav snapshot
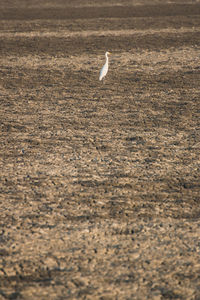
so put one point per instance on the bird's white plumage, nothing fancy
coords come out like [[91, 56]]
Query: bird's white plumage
[[104, 69]]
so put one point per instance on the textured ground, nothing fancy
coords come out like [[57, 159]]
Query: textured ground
[[99, 183]]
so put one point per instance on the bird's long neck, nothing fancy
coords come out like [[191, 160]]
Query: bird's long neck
[[106, 58]]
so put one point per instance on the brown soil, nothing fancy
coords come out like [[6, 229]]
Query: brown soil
[[99, 183]]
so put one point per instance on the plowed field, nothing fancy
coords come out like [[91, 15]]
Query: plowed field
[[99, 182]]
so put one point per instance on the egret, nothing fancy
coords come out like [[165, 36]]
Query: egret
[[104, 69]]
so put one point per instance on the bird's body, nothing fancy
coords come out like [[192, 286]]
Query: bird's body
[[104, 69]]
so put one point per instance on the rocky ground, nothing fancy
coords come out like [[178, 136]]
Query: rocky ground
[[99, 183]]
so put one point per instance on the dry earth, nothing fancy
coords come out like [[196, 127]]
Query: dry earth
[[99, 183]]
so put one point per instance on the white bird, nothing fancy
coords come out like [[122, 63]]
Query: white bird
[[104, 69]]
